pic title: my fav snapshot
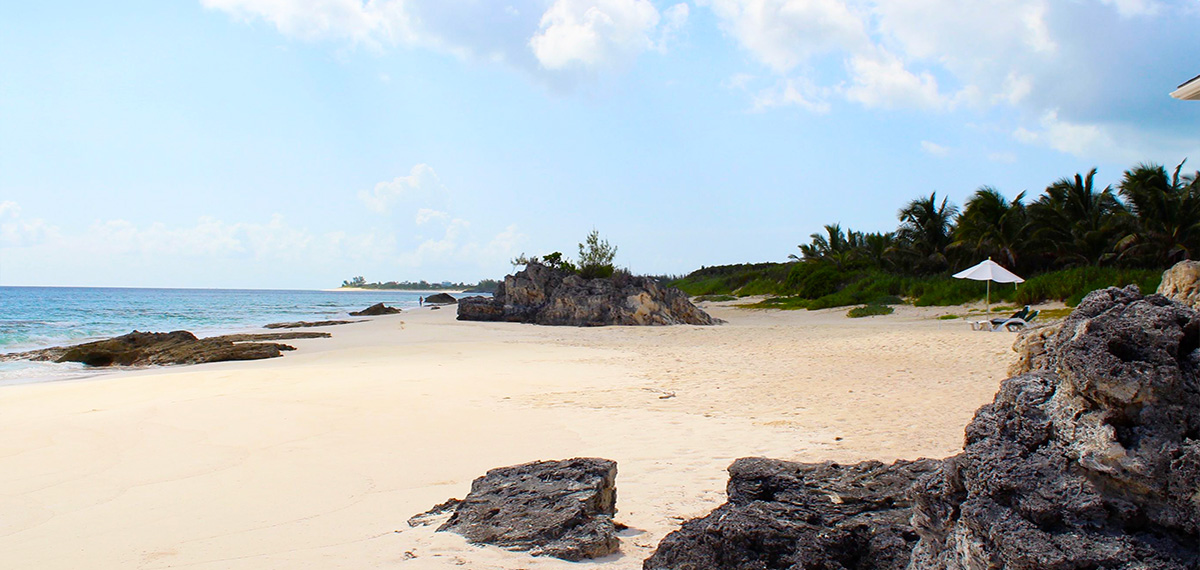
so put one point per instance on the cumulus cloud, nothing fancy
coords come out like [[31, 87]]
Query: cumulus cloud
[[421, 185], [353, 20], [427, 215], [797, 92], [934, 149], [784, 33], [600, 33], [588, 34], [881, 80], [19, 231], [1132, 8]]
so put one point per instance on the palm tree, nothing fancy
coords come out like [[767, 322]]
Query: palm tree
[[1075, 223], [834, 246], [991, 226], [1165, 214], [926, 230]]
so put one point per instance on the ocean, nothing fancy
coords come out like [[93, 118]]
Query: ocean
[[40, 317]]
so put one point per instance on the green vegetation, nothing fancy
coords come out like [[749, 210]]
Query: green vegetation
[[869, 311], [1072, 239], [595, 259], [360, 283], [715, 298]]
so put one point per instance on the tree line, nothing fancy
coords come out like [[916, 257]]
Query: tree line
[[1151, 219]]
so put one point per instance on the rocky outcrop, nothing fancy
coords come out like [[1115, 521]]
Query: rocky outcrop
[[1092, 461], [1088, 460], [1031, 348], [440, 299], [802, 515], [1182, 283], [546, 296], [178, 347], [375, 310], [562, 509], [306, 324]]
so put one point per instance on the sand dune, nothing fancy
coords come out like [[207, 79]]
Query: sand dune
[[316, 460]]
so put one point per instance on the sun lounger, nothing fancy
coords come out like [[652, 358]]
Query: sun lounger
[[1011, 324]]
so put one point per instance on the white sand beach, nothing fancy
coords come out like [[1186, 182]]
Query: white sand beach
[[317, 459]]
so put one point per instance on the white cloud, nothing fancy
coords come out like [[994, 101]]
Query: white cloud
[[421, 185], [785, 33], [1003, 157], [587, 34], [881, 80], [426, 215], [935, 149], [793, 92], [601, 33], [353, 20], [1079, 139], [1132, 8], [18, 231]]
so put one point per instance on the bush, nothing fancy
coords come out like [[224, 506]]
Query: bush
[[869, 311], [716, 298], [820, 282]]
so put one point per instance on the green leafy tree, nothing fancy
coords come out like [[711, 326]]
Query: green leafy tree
[[596, 257], [1076, 224], [926, 230], [1164, 215], [992, 226]]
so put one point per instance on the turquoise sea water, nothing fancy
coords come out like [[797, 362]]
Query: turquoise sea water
[[39, 317]]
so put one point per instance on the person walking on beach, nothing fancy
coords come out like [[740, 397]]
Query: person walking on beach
[[420, 301]]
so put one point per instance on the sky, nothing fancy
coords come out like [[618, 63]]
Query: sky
[[294, 144]]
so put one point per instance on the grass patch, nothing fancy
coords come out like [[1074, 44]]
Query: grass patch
[[948, 317], [716, 298], [1053, 314], [869, 311]]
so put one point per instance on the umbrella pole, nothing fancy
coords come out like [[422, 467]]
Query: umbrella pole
[[987, 306]]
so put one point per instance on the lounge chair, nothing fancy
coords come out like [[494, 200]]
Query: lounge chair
[[1014, 323], [995, 324]]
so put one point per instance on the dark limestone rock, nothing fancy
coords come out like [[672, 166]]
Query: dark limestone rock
[[440, 299], [547, 296], [1088, 460], [375, 310], [305, 324], [259, 337], [562, 509], [1092, 460], [178, 347], [782, 514]]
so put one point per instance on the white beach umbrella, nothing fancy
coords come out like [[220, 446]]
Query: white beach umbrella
[[988, 270]]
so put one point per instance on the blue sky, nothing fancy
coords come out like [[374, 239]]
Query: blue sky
[[293, 144]]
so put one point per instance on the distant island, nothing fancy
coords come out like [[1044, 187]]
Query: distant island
[[484, 286]]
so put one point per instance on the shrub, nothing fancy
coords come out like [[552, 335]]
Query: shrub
[[820, 282], [869, 311], [716, 298]]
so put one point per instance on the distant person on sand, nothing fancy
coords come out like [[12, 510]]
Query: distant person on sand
[[420, 301]]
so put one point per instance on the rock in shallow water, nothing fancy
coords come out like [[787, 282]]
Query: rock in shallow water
[[375, 310], [562, 509], [148, 348], [546, 296]]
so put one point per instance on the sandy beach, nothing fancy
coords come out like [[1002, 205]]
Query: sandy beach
[[317, 459]]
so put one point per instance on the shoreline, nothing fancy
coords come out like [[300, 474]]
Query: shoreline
[[323, 454]]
